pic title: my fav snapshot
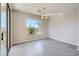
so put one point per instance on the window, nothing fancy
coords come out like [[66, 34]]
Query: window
[[33, 26]]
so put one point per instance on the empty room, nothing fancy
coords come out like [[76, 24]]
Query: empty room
[[39, 29]]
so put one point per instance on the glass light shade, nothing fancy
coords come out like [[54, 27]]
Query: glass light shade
[[44, 17]]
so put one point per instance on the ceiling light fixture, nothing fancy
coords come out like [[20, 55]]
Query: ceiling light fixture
[[43, 16]]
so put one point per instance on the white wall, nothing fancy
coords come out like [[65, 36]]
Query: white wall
[[20, 33], [64, 28]]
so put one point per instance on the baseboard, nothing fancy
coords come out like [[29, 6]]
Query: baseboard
[[40, 39], [65, 42], [27, 41]]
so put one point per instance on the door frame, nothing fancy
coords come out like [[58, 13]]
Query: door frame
[[8, 25]]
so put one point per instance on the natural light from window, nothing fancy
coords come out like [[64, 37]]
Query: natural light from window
[[33, 26]]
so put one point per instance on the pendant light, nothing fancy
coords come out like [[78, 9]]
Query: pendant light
[[43, 14]]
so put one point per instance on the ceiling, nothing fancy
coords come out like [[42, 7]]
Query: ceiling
[[50, 7]]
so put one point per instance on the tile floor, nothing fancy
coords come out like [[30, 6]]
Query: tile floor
[[44, 47]]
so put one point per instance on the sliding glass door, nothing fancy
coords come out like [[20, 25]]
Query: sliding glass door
[[0, 29], [5, 29]]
